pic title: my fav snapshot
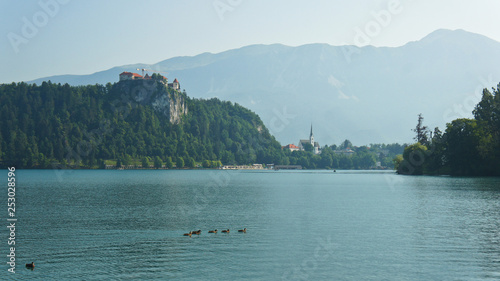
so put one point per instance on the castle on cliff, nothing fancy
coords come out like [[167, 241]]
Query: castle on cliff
[[135, 76]]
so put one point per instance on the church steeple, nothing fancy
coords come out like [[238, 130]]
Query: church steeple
[[311, 136]]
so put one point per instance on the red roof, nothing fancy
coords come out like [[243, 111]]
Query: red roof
[[126, 73], [175, 81], [290, 146]]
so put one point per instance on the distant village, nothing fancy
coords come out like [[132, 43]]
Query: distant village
[[303, 143], [316, 147], [135, 76]]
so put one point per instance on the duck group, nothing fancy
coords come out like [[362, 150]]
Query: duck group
[[198, 232]]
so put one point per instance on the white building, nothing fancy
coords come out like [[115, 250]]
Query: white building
[[315, 145], [175, 85]]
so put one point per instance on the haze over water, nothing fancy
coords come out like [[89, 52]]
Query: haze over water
[[349, 225]]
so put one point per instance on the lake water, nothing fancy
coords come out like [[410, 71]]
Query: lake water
[[301, 225]]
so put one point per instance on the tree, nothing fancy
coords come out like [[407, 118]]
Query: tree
[[345, 162], [190, 163], [487, 109], [365, 160], [119, 163], [434, 163], [487, 113], [215, 164], [421, 131], [326, 159], [308, 147], [414, 157], [179, 163], [206, 164], [157, 162], [345, 144], [145, 162], [168, 162], [462, 142], [397, 161]]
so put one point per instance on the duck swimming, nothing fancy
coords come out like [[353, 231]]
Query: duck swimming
[[242, 230], [226, 231], [212, 231]]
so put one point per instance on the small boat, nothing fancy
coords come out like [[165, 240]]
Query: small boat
[[212, 231], [226, 230], [242, 230], [30, 265]]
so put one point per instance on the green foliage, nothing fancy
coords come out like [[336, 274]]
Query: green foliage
[[413, 159], [363, 158], [157, 162], [463, 139], [468, 147], [397, 161], [308, 147], [421, 131], [169, 164], [145, 162], [190, 163], [179, 163], [345, 144], [80, 126]]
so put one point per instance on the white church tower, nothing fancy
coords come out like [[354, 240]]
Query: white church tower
[[311, 136], [315, 145]]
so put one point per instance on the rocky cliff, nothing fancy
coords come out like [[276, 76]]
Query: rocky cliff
[[156, 93]]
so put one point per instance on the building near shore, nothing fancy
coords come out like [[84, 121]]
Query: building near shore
[[243, 167], [315, 145]]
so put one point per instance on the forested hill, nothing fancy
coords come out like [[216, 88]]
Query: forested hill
[[54, 125]]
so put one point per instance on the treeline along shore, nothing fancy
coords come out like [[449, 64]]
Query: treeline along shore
[[145, 124], [467, 147]]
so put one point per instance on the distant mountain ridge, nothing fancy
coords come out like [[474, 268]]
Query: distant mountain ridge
[[364, 94]]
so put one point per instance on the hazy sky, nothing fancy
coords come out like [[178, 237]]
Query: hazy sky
[[50, 37]]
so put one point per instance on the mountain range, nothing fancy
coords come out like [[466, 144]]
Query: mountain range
[[364, 94]]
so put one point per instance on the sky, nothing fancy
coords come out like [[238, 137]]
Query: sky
[[53, 37]]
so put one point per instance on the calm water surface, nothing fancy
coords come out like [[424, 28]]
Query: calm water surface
[[302, 225]]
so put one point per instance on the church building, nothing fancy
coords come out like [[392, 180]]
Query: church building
[[315, 145]]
